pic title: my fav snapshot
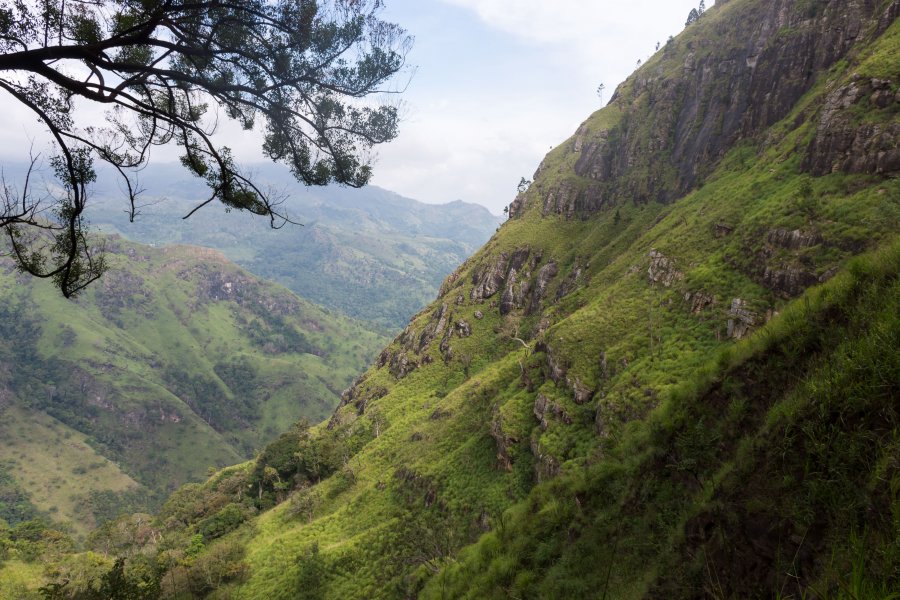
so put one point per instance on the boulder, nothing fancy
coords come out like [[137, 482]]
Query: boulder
[[740, 319]]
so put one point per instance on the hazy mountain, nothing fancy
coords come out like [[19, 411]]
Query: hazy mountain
[[368, 253], [673, 373]]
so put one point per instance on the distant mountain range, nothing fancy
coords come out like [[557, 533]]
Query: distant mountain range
[[368, 253]]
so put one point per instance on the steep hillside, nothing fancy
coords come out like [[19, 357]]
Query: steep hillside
[[174, 362], [369, 253], [668, 375]]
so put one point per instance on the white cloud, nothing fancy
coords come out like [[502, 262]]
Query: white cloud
[[596, 36], [488, 101]]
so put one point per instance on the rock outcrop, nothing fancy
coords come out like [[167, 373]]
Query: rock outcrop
[[546, 409], [845, 143], [740, 319], [547, 273], [793, 240], [502, 440], [662, 269], [676, 127]]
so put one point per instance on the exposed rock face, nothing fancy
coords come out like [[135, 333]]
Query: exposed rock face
[[490, 279], [512, 294], [842, 143], [513, 274], [544, 409], [217, 285], [580, 392], [542, 282], [561, 200], [722, 94], [662, 269], [359, 395], [401, 365], [503, 441], [519, 258], [740, 320], [571, 282], [788, 282], [699, 301], [546, 466], [556, 370], [448, 284], [435, 327], [463, 329], [793, 240]]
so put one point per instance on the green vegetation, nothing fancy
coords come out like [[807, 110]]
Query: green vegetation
[[370, 254], [618, 396], [175, 362], [793, 432]]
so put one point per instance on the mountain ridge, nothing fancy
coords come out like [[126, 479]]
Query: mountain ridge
[[371, 254], [174, 347], [623, 394]]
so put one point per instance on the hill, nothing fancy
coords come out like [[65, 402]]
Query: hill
[[368, 253], [176, 361], [672, 373]]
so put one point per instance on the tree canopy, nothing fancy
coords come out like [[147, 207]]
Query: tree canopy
[[310, 74]]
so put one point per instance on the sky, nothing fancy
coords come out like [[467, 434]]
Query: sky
[[493, 85], [500, 82]]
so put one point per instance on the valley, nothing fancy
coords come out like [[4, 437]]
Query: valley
[[673, 372]]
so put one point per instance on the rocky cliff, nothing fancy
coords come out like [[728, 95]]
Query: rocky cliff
[[667, 375], [741, 72]]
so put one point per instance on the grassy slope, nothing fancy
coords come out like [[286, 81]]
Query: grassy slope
[[691, 441], [781, 452], [56, 466], [752, 190], [112, 362], [439, 422]]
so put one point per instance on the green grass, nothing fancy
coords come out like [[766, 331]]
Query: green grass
[[19, 581], [699, 464], [55, 466], [135, 367]]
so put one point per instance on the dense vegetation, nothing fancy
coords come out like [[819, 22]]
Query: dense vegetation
[[370, 254], [669, 374], [177, 361]]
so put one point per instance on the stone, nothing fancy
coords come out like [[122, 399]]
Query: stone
[[788, 282], [502, 440], [580, 392], [542, 282], [463, 329], [793, 240], [740, 320], [434, 328], [699, 300], [544, 408], [509, 300], [556, 370], [662, 269], [490, 279], [546, 466]]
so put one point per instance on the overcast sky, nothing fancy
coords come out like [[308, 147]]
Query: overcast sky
[[497, 83]]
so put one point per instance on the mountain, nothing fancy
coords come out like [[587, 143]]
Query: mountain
[[673, 373], [175, 361], [368, 253]]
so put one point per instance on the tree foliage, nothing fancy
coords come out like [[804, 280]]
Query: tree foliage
[[310, 73], [692, 17]]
